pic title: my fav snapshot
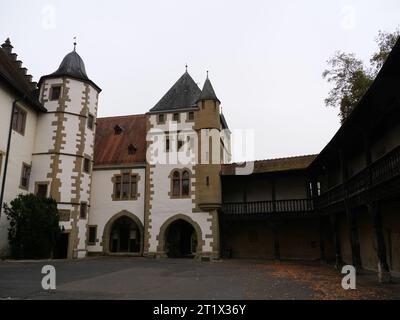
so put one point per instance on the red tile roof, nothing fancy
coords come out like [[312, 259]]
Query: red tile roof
[[112, 149], [274, 165]]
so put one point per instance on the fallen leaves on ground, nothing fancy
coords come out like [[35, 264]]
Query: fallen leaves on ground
[[325, 281]]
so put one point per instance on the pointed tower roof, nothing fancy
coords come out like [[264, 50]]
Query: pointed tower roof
[[208, 92], [71, 66], [182, 95]]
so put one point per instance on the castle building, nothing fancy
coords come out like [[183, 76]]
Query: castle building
[[162, 184]]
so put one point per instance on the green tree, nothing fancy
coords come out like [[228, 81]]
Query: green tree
[[34, 226], [351, 79]]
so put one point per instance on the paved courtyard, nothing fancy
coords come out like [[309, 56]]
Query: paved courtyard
[[140, 278]]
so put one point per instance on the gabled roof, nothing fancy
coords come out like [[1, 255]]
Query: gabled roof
[[15, 77], [208, 92], [273, 165], [183, 95], [113, 149]]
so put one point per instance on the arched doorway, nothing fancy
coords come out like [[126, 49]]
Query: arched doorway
[[125, 236], [180, 240]]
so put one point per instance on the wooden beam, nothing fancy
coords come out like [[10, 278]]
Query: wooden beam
[[336, 240]]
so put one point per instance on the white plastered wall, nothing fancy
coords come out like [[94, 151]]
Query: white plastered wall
[[162, 206], [20, 152], [103, 208]]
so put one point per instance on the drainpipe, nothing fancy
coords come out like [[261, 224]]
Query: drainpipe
[[3, 183]]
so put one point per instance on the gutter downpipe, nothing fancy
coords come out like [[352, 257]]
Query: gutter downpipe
[[7, 154]]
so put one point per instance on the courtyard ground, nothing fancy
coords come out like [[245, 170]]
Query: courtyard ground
[[141, 278]]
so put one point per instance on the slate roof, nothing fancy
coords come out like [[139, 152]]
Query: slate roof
[[15, 78], [208, 92], [184, 94], [112, 149], [274, 165], [72, 66]]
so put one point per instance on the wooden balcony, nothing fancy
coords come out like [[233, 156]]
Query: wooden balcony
[[278, 207], [365, 183]]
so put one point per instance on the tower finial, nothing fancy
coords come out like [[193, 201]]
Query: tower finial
[[75, 43], [186, 67], [207, 74]]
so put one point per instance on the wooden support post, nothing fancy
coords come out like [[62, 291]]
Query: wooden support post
[[354, 240], [322, 240], [277, 251], [336, 240], [273, 192], [351, 217], [383, 268]]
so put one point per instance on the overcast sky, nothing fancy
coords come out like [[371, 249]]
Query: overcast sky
[[265, 57]]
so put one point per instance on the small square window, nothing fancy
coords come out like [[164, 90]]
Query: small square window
[[42, 190], [92, 235], [25, 175], [83, 211], [55, 93], [191, 116], [90, 122], [161, 118], [86, 165], [176, 117]]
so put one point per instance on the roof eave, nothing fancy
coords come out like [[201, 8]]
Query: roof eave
[[54, 76]]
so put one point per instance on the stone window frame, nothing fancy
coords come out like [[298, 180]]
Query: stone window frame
[[188, 116], [171, 178], [130, 196], [89, 162], [55, 85], [91, 116], [25, 165], [158, 118], [91, 243], [167, 142], [62, 213], [82, 205], [38, 183], [178, 120], [24, 114]]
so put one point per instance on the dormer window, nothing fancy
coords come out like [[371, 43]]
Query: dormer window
[[132, 149], [118, 130]]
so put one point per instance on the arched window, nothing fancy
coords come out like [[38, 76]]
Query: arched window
[[180, 184], [176, 184], [185, 183]]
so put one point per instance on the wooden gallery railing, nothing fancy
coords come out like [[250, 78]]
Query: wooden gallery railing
[[380, 171], [266, 207]]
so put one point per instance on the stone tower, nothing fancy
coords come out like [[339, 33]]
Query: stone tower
[[63, 152], [208, 168]]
